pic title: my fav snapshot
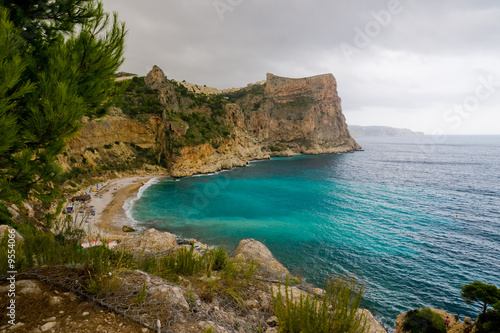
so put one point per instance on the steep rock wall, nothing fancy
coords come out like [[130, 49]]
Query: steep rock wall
[[303, 115]]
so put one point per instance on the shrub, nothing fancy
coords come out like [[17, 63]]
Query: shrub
[[335, 313], [424, 321], [489, 322]]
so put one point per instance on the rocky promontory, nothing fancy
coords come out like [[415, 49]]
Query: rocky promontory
[[189, 129]]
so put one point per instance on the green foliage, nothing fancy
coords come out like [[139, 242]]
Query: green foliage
[[277, 147], [424, 321], [142, 294], [138, 98], [335, 313], [485, 294], [489, 322], [202, 129], [57, 60], [299, 103], [5, 215], [255, 90]]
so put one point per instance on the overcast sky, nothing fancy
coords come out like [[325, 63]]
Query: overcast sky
[[431, 66]]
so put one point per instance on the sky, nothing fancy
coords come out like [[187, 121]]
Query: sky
[[430, 66]]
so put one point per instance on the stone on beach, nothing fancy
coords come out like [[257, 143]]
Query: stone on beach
[[126, 228]]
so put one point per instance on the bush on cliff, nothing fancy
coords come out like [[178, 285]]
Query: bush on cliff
[[424, 321], [489, 322], [337, 312]]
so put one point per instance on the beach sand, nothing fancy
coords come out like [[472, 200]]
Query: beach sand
[[108, 205]]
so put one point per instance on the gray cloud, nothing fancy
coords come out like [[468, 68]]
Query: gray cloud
[[421, 60]]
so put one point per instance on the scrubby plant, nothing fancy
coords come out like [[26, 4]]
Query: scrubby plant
[[489, 322], [424, 321], [336, 312]]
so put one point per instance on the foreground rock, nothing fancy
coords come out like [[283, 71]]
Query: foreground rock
[[254, 250], [4, 230], [150, 242], [126, 228], [371, 323]]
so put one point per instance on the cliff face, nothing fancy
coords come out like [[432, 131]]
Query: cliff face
[[201, 133], [299, 115]]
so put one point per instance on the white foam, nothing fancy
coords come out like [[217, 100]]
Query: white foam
[[129, 203]]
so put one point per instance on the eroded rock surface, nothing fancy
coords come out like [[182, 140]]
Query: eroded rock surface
[[254, 250]]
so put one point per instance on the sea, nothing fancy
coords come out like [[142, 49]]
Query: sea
[[414, 218]]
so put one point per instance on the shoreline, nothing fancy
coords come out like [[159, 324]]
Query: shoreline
[[110, 214]]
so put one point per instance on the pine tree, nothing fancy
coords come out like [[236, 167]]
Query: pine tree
[[57, 64]]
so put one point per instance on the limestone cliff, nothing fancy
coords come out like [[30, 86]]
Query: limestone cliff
[[192, 131], [299, 115]]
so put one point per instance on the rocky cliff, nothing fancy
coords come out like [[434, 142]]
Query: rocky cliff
[[190, 131], [298, 115]]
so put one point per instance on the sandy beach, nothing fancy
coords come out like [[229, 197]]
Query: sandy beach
[[108, 204]]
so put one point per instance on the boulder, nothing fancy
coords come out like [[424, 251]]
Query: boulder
[[156, 288], [251, 249], [4, 229], [150, 242], [29, 287], [126, 228], [372, 324]]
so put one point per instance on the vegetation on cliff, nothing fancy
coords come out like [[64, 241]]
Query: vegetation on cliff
[[335, 312], [424, 321], [484, 294], [57, 64]]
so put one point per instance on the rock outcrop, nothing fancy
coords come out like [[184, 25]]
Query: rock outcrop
[[150, 242], [304, 115], [254, 250], [4, 231]]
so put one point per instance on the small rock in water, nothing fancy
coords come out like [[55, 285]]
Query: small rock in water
[[126, 228]]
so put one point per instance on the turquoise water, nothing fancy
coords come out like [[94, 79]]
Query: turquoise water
[[413, 218]]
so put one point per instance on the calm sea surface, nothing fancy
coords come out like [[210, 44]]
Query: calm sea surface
[[413, 218]]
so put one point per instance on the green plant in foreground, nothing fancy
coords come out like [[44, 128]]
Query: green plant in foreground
[[142, 294], [489, 322], [336, 312], [424, 321]]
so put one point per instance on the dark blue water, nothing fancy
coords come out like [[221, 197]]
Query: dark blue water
[[413, 218]]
